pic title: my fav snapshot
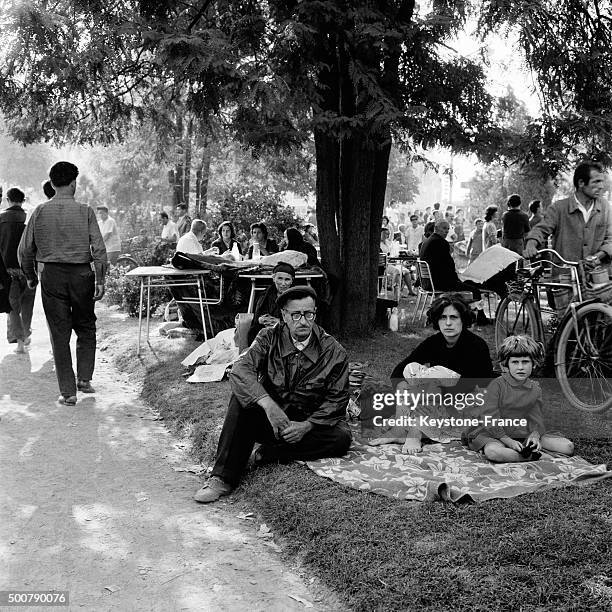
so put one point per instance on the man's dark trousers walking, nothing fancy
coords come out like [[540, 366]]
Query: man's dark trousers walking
[[68, 301]]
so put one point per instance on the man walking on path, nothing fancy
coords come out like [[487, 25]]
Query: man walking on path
[[21, 297], [63, 234], [110, 234]]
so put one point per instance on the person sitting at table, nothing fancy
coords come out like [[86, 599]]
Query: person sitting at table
[[259, 235], [267, 313], [227, 239], [191, 242], [310, 235], [296, 242], [289, 391], [388, 248], [436, 251], [454, 347]]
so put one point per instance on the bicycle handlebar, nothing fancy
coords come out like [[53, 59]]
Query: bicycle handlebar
[[569, 263]]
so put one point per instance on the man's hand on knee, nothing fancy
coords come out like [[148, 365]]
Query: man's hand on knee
[[296, 431]]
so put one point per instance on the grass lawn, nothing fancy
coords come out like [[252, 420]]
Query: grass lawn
[[547, 551]]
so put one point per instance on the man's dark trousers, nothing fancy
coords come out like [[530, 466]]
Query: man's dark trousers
[[245, 426], [21, 298], [67, 297]]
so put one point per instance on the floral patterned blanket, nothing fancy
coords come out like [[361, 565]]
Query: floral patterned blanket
[[450, 472]]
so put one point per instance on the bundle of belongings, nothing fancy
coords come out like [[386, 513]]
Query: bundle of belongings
[[235, 290]]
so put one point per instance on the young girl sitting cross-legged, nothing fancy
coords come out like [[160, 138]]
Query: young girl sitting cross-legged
[[513, 397]]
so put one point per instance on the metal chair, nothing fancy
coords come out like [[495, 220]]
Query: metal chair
[[382, 278], [425, 281]]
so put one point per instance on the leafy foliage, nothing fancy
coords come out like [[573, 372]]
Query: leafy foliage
[[493, 184], [245, 205]]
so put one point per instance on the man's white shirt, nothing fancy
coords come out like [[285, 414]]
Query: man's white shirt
[[113, 244], [188, 243], [169, 231], [414, 237]]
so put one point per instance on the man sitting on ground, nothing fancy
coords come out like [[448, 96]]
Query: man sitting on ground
[[289, 392]]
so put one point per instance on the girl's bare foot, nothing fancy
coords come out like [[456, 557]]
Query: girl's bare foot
[[412, 446], [395, 435]]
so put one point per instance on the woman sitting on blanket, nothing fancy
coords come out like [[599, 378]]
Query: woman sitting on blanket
[[267, 313], [454, 347], [515, 396]]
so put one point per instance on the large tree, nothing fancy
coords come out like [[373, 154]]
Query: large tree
[[352, 75]]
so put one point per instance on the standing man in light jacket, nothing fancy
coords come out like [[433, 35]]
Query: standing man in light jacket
[[64, 236], [580, 225]]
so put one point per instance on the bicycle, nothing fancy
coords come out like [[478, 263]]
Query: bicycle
[[582, 340]]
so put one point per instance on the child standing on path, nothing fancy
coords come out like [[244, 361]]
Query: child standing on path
[[515, 225], [514, 396]]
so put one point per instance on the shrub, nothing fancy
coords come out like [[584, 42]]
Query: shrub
[[124, 291]]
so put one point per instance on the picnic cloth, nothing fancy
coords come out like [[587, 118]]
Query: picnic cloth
[[450, 472], [489, 263]]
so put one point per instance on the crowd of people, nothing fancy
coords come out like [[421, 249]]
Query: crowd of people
[[290, 387]]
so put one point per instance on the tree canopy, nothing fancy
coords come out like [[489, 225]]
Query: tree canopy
[[350, 76]]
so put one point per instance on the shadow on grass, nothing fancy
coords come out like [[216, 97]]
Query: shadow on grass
[[545, 551]]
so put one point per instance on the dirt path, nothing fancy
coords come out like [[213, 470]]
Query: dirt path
[[90, 503]]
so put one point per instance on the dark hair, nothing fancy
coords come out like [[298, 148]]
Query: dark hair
[[226, 224], [414, 217], [102, 207], [294, 239], [428, 230], [163, 214], [434, 314], [63, 173], [583, 172], [182, 206], [534, 205], [297, 292], [48, 190], [514, 201], [436, 205], [385, 217], [14, 194], [262, 226], [490, 212]]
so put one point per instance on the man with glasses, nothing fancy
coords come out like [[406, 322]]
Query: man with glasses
[[289, 392]]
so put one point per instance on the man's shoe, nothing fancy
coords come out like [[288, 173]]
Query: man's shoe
[[214, 489], [67, 400], [85, 386]]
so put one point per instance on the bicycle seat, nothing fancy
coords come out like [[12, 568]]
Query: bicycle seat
[[531, 273]]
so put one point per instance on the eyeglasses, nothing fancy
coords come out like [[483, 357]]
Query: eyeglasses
[[309, 315]]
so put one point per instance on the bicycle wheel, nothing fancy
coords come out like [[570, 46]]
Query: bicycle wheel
[[584, 358], [125, 263], [517, 318]]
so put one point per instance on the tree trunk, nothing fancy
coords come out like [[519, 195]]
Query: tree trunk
[[205, 168], [351, 183], [187, 143]]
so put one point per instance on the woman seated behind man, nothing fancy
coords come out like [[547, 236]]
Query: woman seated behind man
[[259, 235], [295, 242], [267, 313], [453, 347], [227, 239]]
